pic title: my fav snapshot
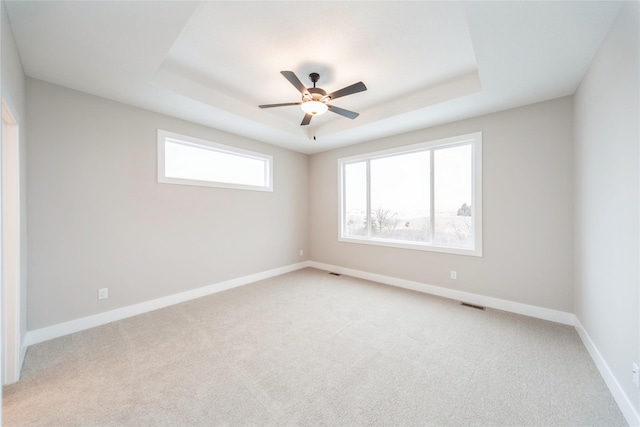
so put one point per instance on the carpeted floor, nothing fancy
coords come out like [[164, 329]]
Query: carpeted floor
[[309, 348]]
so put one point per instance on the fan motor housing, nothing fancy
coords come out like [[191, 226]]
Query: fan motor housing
[[315, 94]]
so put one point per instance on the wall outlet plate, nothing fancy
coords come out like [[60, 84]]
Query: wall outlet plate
[[454, 275], [636, 375], [103, 293]]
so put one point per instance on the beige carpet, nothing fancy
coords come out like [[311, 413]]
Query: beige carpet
[[309, 348]]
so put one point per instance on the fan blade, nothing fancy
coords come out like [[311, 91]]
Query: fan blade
[[349, 90], [295, 81], [279, 105], [306, 120], [348, 114]]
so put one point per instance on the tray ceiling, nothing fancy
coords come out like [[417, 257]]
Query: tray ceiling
[[424, 63]]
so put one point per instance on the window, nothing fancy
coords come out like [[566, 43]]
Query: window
[[425, 196], [191, 161]]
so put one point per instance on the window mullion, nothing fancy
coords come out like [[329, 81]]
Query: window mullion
[[432, 210], [369, 198], [343, 201]]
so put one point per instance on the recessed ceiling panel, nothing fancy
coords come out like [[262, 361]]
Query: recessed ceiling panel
[[397, 49]]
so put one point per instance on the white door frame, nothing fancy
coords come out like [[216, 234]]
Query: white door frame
[[10, 208]]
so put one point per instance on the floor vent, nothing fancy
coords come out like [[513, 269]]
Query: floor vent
[[477, 307], [335, 274]]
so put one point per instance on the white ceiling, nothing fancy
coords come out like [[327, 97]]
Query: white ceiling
[[213, 63]]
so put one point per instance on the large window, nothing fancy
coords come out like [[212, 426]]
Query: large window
[[425, 196], [191, 161]]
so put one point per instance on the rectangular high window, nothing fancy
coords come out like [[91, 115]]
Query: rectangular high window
[[191, 161], [426, 196]]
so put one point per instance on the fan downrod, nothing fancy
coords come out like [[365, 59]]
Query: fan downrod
[[314, 78]]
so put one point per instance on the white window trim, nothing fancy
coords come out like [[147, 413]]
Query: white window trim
[[476, 145], [184, 139]]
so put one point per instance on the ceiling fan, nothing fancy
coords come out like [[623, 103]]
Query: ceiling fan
[[314, 100]]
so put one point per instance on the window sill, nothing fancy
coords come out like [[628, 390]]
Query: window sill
[[414, 246]]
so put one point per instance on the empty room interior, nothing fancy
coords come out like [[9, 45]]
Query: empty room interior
[[320, 213]]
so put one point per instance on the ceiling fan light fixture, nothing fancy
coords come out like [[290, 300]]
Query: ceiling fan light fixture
[[314, 108], [314, 99]]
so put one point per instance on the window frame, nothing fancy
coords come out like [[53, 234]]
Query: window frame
[[474, 139], [164, 136]]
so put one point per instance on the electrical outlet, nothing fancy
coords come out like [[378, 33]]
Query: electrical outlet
[[454, 275], [301, 252], [636, 375], [103, 293]]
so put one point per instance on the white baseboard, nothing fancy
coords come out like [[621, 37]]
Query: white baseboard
[[621, 398], [623, 401], [50, 332], [477, 299], [23, 354]]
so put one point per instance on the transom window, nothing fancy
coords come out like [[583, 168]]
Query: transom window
[[425, 196], [191, 161]]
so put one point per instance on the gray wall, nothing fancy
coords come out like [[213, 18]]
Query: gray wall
[[527, 211], [607, 175], [14, 93], [98, 218]]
